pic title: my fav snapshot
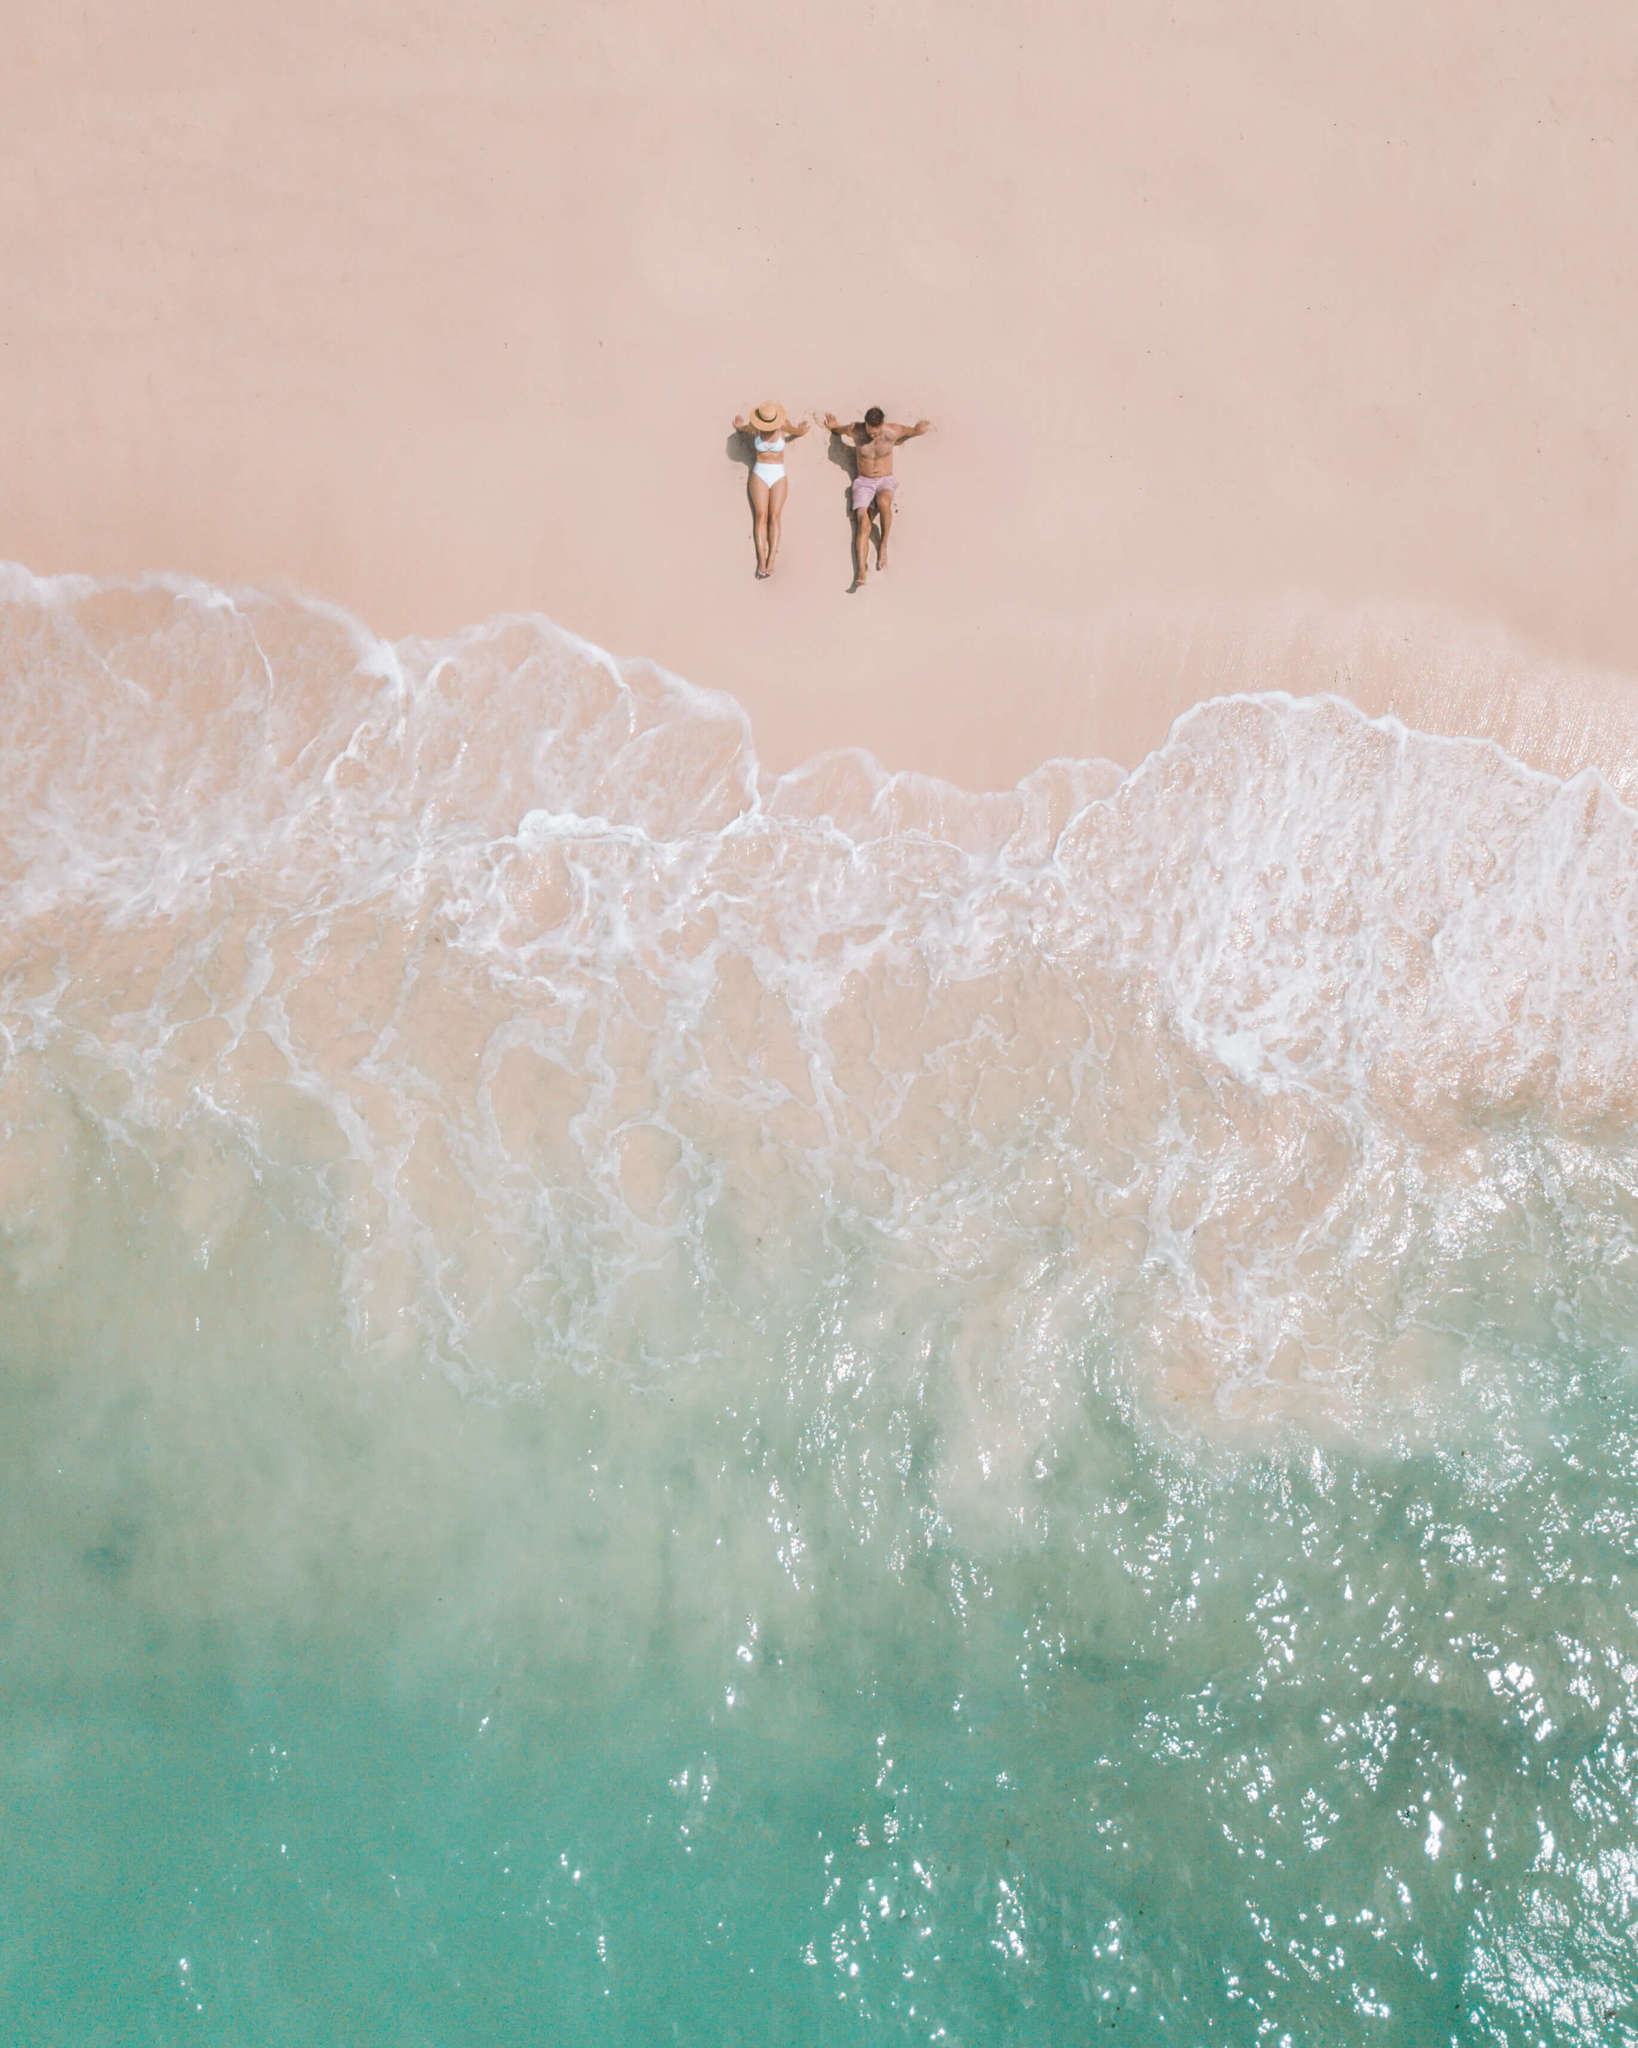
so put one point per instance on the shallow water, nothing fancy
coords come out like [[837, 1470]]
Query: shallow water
[[646, 1403]]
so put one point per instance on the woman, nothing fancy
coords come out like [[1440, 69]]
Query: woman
[[770, 429]]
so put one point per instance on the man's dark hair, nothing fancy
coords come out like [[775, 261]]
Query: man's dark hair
[[875, 416]]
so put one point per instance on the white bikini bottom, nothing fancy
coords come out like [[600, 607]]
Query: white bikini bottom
[[769, 472]]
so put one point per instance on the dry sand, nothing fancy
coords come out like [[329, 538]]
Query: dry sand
[[1261, 340]]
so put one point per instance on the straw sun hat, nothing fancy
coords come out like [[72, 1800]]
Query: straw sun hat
[[769, 416]]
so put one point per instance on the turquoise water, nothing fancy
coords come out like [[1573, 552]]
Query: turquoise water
[[805, 1413], [1284, 1745]]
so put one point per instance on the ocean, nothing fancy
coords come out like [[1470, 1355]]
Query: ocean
[[643, 1402]]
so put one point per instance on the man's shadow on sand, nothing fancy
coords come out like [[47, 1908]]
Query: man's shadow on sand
[[847, 462], [737, 447]]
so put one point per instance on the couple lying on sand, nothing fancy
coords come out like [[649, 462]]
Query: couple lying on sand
[[873, 440]]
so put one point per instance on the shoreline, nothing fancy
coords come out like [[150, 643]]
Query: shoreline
[[1145, 667]]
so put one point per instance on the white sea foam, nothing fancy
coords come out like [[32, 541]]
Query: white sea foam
[[1280, 1069]]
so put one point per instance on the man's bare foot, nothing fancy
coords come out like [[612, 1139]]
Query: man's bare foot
[[881, 558]]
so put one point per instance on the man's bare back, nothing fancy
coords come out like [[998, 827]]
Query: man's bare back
[[873, 440]]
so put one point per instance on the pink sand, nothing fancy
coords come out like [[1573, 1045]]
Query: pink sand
[[1265, 343]]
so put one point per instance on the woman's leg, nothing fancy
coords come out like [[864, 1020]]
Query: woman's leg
[[776, 505], [759, 515]]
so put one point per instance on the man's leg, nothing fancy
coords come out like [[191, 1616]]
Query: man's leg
[[884, 513], [861, 544]]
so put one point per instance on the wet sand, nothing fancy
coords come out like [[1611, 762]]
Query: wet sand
[[1264, 347]]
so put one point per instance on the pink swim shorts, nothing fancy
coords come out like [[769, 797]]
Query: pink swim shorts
[[866, 487]]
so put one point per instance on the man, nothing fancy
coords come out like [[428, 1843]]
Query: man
[[873, 440]]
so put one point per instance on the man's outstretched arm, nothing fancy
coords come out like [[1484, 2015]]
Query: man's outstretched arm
[[910, 433], [833, 425]]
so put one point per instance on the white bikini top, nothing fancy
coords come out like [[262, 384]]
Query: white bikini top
[[774, 447]]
